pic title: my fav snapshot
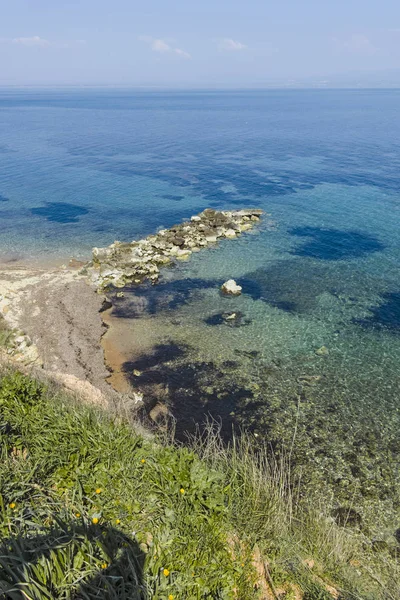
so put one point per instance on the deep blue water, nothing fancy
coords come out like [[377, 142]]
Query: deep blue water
[[83, 168]]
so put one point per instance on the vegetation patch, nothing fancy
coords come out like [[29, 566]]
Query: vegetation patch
[[91, 509]]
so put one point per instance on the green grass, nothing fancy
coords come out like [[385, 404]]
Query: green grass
[[91, 509], [5, 333]]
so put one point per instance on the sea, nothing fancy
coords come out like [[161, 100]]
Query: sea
[[310, 364]]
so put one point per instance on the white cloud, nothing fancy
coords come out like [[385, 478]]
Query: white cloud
[[231, 45], [159, 45], [38, 42], [182, 53], [32, 41], [356, 44]]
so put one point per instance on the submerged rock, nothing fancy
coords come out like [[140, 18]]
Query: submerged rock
[[232, 319], [121, 264], [323, 351], [231, 288]]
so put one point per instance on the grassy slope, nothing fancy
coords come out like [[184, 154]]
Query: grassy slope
[[91, 509]]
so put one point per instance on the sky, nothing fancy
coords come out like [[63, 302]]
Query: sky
[[207, 43]]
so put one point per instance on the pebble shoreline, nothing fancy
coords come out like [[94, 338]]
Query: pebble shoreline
[[121, 263]]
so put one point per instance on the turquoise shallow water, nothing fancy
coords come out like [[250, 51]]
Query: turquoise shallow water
[[83, 168]]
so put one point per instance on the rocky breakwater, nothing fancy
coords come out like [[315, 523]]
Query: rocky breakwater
[[122, 263]]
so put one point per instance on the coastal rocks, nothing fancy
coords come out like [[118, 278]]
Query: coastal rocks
[[121, 264], [231, 288]]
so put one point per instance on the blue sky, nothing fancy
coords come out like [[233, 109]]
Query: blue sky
[[237, 43]]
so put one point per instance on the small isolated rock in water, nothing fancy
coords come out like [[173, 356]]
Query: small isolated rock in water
[[230, 316], [323, 351], [231, 288]]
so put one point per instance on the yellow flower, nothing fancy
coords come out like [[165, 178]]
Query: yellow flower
[[12, 505], [95, 520], [166, 572], [98, 491], [171, 597], [143, 461], [118, 521], [104, 566], [78, 515], [182, 491]]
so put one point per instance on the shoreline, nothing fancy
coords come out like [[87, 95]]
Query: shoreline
[[38, 301], [49, 334]]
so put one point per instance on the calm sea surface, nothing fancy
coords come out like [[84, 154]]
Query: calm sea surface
[[83, 168]]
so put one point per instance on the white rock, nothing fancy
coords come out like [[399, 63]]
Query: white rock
[[183, 253], [230, 233], [137, 398], [196, 218], [231, 288], [230, 317]]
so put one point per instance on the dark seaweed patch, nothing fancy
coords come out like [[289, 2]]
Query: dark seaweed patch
[[148, 299], [194, 391], [385, 316], [4, 198], [334, 244], [60, 212]]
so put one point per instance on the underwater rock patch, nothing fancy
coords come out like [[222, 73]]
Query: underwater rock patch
[[4, 198], [121, 263], [60, 212], [334, 244], [386, 316], [232, 319]]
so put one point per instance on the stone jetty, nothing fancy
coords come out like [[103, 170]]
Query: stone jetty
[[122, 264]]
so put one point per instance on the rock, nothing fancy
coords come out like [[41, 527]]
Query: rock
[[229, 317], [183, 253], [323, 351], [106, 305], [231, 288], [235, 319], [309, 379], [178, 241], [122, 263]]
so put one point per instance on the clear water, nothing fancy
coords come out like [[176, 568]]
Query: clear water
[[83, 168]]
